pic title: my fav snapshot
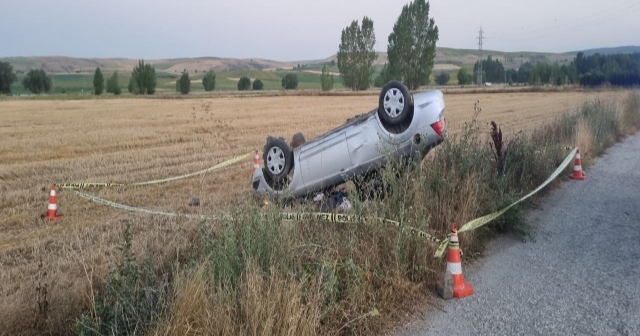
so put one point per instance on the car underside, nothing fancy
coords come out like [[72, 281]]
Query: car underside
[[402, 126]]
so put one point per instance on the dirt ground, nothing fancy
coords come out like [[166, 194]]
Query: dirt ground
[[133, 140]]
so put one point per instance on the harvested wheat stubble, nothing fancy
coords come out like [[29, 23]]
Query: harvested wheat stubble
[[132, 140]]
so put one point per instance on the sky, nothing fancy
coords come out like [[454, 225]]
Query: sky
[[290, 30]]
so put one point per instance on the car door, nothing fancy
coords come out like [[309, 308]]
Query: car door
[[324, 162]]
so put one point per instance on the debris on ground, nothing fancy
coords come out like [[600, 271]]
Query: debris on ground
[[336, 200], [194, 202]]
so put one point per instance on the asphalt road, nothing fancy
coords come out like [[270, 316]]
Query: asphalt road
[[580, 277]]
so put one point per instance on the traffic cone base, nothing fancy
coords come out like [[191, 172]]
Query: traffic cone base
[[461, 288], [52, 208], [579, 176], [54, 218]]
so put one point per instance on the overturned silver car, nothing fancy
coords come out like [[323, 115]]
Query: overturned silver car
[[402, 126]]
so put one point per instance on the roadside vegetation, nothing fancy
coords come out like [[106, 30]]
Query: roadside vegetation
[[256, 274]]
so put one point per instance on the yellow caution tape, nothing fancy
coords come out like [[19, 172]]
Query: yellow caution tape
[[97, 185], [141, 210], [298, 216], [478, 222], [346, 218], [287, 216]]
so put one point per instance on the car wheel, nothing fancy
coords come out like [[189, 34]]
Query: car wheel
[[394, 103], [278, 159]]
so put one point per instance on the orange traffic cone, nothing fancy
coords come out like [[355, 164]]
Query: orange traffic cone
[[52, 209], [577, 169], [256, 162], [461, 288]]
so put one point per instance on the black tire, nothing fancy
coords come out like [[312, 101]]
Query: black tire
[[395, 112], [277, 158]]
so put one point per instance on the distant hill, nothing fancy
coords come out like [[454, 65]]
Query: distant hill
[[446, 59], [63, 64], [609, 51]]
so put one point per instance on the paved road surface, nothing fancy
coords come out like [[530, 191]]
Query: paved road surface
[[580, 277]]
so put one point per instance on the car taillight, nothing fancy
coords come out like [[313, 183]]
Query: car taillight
[[438, 126]]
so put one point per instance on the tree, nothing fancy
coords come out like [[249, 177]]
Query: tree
[[290, 81], [7, 77], [463, 77], [412, 45], [98, 82], [132, 87], [144, 78], [443, 78], [356, 54], [37, 81], [384, 76], [112, 84], [209, 81], [183, 85], [326, 80], [244, 83], [257, 85]]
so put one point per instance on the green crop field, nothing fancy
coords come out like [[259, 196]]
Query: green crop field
[[225, 80]]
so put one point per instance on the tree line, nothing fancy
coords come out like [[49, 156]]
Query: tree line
[[143, 81], [615, 69], [588, 71]]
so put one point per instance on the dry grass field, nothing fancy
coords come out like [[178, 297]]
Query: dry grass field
[[132, 140]]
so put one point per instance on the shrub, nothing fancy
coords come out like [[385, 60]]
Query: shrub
[[244, 83], [463, 77], [183, 85], [326, 80], [133, 300], [443, 78], [209, 81], [257, 84], [290, 81], [37, 81], [113, 85]]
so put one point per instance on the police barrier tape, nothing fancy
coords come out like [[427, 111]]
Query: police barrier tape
[[478, 222], [135, 209], [346, 218], [287, 216], [98, 185]]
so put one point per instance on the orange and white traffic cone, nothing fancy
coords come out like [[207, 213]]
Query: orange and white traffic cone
[[578, 174], [52, 209], [461, 288], [256, 162]]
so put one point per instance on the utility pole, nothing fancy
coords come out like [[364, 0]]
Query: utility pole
[[480, 38]]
